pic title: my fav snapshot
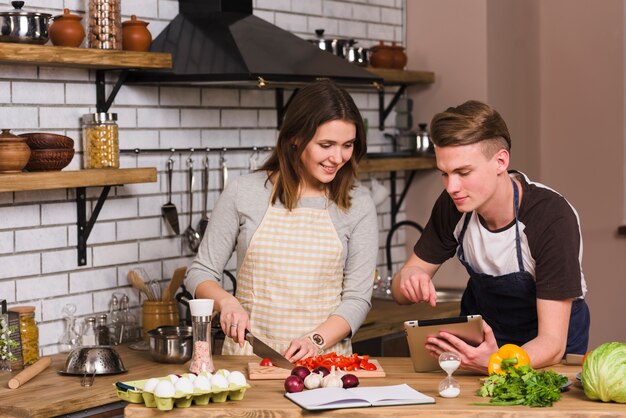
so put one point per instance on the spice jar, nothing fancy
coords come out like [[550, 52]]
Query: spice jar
[[29, 333], [105, 24], [201, 311], [100, 140]]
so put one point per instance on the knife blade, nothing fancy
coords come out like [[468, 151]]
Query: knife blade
[[263, 350]]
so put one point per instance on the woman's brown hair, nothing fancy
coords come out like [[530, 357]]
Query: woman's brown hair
[[469, 123], [312, 106]]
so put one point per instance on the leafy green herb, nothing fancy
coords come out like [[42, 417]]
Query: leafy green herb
[[523, 386]]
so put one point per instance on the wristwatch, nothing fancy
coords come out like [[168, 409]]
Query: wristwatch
[[318, 341]]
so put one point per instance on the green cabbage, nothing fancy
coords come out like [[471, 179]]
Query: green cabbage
[[604, 373]]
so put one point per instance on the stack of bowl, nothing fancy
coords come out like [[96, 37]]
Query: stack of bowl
[[49, 152]]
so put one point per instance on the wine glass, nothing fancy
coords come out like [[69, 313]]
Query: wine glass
[[449, 362]]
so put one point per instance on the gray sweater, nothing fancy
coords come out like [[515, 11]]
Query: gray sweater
[[238, 213]]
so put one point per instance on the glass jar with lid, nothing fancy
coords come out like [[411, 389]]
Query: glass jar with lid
[[29, 333], [100, 140]]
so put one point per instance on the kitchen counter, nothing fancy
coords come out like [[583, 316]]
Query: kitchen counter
[[51, 394]]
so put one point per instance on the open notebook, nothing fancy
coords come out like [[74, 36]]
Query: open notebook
[[335, 398]]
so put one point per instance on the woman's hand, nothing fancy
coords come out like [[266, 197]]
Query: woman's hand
[[234, 320], [472, 358], [301, 348]]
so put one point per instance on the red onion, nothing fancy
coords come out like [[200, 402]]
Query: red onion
[[300, 371], [349, 381], [294, 384], [321, 369]]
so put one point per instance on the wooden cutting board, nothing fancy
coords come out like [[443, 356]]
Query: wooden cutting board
[[258, 372]]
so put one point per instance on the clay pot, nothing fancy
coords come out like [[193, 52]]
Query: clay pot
[[399, 57], [14, 152], [381, 56], [135, 35], [66, 30]]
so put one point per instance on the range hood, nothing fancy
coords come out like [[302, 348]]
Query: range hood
[[222, 41]]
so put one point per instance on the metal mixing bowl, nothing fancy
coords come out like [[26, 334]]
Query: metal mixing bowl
[[171, 344], [100, 358]]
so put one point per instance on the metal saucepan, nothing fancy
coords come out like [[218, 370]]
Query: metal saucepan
[[335, 46], [357, 54], [23, 27]]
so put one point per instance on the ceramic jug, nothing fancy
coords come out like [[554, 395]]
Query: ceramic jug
[[135, 35], [66, 30], [381, 56]]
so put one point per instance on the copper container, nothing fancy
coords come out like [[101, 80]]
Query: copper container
[[14, 152], [135, 35], [66, 30], [381, 56]]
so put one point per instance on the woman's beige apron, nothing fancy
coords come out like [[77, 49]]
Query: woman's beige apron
[[291, 278]]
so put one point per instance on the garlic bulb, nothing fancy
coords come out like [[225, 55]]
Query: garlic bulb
[[332, 380], [313, 381]]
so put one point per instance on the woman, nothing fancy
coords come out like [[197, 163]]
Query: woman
[[306, 236]]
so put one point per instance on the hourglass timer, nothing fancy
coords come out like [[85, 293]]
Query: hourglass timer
[[449, 362]]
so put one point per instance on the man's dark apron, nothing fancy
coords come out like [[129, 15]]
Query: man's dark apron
[[508, 303]]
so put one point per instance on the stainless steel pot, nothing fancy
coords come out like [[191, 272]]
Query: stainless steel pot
[[334, 46], [357, 54], [24, 27], [171, 344]]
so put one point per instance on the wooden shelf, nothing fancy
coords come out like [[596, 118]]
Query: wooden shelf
[[397, 77], [48, 180], [100, 59], [396, 164]]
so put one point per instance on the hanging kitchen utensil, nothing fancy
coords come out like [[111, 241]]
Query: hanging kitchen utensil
[[204, 221], [191, 235], [224, 170], [169, 209]]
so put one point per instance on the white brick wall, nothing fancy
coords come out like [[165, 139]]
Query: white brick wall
[[38, 256]]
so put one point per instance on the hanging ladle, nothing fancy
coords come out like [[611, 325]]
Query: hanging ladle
[[192, 236]]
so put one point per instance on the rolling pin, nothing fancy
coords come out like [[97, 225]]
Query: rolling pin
[[32, 371]]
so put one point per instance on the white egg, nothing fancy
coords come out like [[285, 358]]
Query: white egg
[[173, 378], [219, 381], [237, 378], [150, 384], [223, 372], [202, 383], [190, 376], [184, 385], [164, 389]]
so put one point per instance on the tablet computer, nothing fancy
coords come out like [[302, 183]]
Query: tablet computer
[[468, 328]]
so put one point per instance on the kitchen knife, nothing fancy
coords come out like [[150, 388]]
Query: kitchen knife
[[265, 351]]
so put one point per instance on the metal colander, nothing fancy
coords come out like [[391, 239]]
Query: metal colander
[[99, 360]]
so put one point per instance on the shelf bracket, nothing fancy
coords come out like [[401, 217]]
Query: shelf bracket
[[395, 201], [281, 107], [102, 102], [383, 111], [84, 227]]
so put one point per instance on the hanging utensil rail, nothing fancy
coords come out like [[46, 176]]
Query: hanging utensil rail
[[192, 150]]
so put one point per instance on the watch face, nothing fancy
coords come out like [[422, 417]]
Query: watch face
[[317, 339]]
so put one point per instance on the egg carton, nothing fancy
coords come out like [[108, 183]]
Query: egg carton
[[132, 392]]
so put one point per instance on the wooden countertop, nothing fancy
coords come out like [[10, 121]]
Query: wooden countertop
[[387, 317], [51, 394]]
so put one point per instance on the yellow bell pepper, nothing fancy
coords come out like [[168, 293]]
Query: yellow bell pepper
[[507, 355]]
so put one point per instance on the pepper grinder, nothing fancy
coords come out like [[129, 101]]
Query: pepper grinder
[[201, 311]]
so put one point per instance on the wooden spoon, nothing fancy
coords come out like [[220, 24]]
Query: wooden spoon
[[177, 280], [137, 282]]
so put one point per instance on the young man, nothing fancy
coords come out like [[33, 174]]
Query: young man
[[519, 241]]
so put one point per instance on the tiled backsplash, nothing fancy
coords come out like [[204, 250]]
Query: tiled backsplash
[[38, 255]]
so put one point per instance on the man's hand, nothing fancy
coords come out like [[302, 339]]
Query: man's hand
[[472, 358], [413, 283]]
